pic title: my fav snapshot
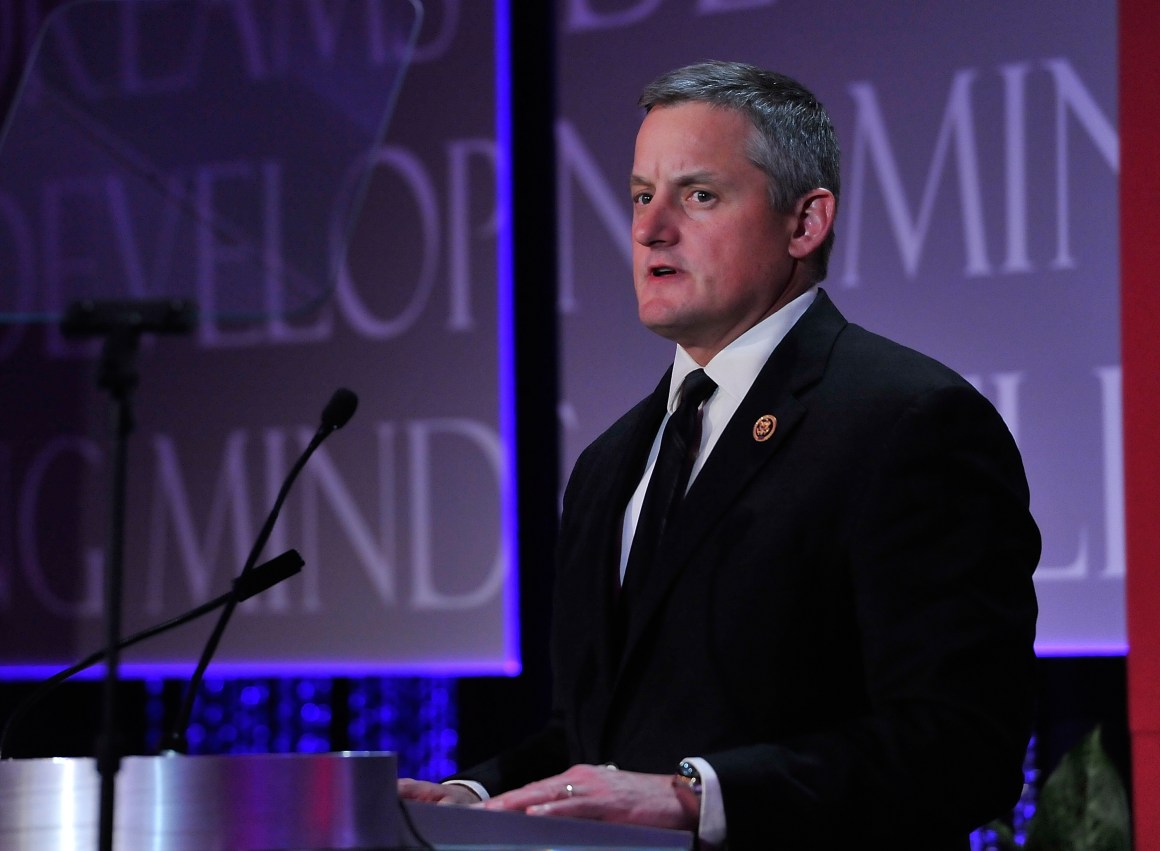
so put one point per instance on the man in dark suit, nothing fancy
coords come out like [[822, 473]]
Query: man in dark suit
[[823, 637]]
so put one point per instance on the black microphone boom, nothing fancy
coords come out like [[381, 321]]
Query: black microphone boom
[[335, 415], [244, 587]]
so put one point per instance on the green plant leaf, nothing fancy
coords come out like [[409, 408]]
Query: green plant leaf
[[1083, 805]]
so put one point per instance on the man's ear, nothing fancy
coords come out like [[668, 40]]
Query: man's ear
[[814, 212]]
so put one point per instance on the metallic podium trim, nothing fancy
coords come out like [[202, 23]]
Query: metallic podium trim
[[270, 802], [204, 803]]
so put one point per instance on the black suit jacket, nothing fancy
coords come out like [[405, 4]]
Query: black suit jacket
[[841, 620]]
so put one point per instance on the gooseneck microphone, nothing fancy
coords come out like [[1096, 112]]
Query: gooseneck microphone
[[335, 415], [338, 410]]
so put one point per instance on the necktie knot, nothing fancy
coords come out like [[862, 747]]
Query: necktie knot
[[695, 389], [684, 425]]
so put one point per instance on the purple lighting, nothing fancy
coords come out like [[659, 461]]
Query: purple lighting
[[506, 287]]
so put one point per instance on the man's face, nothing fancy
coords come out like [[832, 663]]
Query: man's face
[[710, 255]]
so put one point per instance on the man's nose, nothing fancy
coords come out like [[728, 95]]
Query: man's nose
[[653, 224]]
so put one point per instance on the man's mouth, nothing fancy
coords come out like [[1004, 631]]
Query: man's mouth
[[661, 271]]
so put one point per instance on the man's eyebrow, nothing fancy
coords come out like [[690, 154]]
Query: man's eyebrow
[[689, 179], [696, 177]]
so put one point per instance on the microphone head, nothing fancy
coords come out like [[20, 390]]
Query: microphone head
[[339, 409]]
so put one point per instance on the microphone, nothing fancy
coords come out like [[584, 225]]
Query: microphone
[[335, 415], [259, 579], [339, 409]]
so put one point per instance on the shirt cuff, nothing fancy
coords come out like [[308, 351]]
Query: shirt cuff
[[472, 785], [711, 830]]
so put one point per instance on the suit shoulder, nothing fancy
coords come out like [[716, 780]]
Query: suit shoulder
[[879, 363], [873, 383], [619, 433]]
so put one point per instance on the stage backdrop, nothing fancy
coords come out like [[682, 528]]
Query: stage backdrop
[[977, 223], [400, 515]]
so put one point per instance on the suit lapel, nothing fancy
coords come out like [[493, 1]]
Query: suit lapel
[[796, 364], [627, 459]]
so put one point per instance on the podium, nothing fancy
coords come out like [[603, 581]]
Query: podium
[[271, 802]]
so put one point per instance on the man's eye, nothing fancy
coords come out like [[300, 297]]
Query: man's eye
[[642, 198], [702, 197]]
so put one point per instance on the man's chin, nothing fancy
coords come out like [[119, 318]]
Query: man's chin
[[663, 325]]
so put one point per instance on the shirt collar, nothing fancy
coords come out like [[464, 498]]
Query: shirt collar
[[736, 366]]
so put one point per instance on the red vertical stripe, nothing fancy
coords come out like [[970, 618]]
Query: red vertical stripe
[[1140, 321]]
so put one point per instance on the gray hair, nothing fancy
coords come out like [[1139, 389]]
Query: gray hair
[[795, 144]]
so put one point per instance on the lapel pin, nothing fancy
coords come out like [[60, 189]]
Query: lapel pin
[[763, 428]]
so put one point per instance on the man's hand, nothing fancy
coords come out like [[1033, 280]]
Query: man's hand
[[604, 794], [435, 793]]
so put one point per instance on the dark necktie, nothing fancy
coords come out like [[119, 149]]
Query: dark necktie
[[670, 479]]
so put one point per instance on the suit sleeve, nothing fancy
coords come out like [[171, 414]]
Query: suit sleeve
[[538, 756], [546, 752], [940, 554]]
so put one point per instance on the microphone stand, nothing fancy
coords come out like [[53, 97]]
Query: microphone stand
[[121, 323], [118, 375]]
